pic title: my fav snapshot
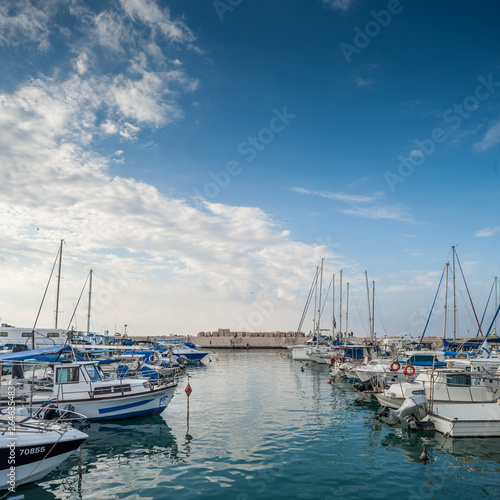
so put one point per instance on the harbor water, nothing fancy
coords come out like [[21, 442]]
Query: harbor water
[[260, 428]]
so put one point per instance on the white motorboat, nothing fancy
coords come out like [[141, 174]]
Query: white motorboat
[[18, 336], [31, 448], [445, 385], [478, 420], [459, 420], [82, 387], [404, 367]]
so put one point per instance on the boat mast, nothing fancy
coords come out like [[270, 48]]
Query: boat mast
[[369, 308], [445, 300], [319, 305], [315, 301], [333, 306], [496, 303], [347, 311], [58, 282], [90, 296], [373, 311], [454, 298], [340, 308]]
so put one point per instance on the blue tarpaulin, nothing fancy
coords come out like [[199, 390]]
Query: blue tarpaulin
[[43, 351]]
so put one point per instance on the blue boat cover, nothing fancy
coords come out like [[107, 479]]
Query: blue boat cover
[[35, 353]]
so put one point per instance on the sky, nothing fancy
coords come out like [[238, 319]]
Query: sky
[[202, 157]]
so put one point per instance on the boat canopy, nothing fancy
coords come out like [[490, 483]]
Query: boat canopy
[[35, 353]]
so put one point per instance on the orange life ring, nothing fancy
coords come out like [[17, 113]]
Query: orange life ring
[[395, 366], [409, 370]]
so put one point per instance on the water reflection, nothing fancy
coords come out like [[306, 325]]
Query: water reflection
[[148, 437], [113, 449]]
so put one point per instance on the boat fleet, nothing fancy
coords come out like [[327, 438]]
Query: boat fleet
[[453, 389], [47, 391], [454, 393]]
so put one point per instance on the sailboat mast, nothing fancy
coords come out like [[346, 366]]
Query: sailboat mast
[[340, 307], [315, 300], [319, 305], [58, 283], [496, 303], [347, 311], [373, 311], [454, 298], [445, 300], [333, 306], [369, 308], [90, 299]]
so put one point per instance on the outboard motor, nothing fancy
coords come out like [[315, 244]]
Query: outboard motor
[[364, 386], [376, 383], [416, 406]]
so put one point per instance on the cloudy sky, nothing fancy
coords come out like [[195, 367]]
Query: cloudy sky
[[202, 157]]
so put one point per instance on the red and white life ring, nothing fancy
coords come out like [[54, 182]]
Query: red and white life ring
[[409, 370], [395, 366]]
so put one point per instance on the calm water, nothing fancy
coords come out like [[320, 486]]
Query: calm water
[[261, 428]]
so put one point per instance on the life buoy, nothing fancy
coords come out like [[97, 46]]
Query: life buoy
[[154, 358], [395, 366], [409, 370]]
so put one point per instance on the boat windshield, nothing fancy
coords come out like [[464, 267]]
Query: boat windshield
[[94, 372]]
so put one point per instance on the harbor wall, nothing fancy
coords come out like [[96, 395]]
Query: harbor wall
[[226, 339]]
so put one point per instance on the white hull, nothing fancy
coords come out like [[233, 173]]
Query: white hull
[[30, 473], [299, 353], [33, 449], [467, 420], [443, 386], [44, 337], [388, 401], [149, 402]]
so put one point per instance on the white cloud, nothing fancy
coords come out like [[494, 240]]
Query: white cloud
[[21, 22], [340, 196], [374, 211], [148, 12], [363, 82], [491, 138], [109, 30], [391, 212], [488, 231], [343, 5]]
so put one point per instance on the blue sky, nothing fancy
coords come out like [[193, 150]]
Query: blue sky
[[202, 157]]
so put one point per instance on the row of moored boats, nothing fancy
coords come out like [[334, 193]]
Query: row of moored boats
[[46, 393]]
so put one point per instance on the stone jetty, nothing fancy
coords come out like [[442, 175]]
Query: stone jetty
[[223, 338]]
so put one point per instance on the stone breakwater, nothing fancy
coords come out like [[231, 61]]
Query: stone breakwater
[[226, 339]]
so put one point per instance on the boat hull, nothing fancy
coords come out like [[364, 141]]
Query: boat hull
[[150, 402], [467, 420], [26, 457]]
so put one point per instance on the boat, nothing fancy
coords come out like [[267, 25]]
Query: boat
[[404, 367], [31, 448], [11, 336], [478, 420], [300, 351], [81, 386], [447, 385], [460, 420], [187, 352]]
